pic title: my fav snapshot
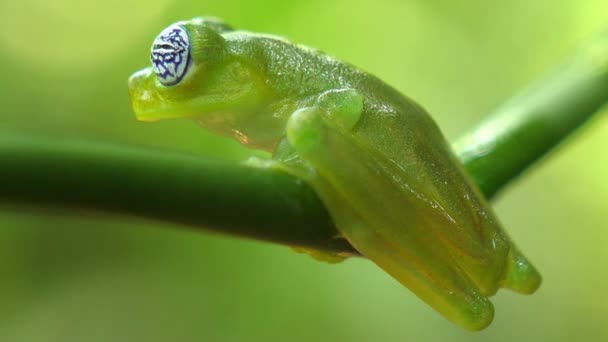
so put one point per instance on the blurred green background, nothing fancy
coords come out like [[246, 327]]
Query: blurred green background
[[81, 277]]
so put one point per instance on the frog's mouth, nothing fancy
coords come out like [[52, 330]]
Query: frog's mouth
[[152, 101]]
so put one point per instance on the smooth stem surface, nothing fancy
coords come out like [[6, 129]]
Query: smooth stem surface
[[532, 123], [272, 206]]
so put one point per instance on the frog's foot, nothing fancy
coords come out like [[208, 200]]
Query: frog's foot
[[374, 214], [290, 163]]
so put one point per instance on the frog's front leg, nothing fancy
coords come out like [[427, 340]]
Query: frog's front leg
[[358, 187]]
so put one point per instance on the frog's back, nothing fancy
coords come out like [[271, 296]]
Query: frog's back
[[312, 70], [405, 126]]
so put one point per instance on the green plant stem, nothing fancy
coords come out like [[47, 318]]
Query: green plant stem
[[532, 123], [269, 205]]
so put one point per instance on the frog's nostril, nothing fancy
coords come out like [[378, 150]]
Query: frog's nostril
[[140, 91], [137, 79]]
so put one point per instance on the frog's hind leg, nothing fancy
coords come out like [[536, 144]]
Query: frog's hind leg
[[368, 209]]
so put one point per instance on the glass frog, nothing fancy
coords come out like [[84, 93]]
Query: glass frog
[[376, 158]]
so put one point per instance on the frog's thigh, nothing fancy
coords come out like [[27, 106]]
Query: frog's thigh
[[365, 208]]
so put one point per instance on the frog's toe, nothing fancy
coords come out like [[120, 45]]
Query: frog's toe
[[305, 129], [479, 314], [521, 275]]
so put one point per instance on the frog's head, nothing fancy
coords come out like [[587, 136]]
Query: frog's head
[[192, 73]]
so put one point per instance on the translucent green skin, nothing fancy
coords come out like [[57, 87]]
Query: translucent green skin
[[376, 159]]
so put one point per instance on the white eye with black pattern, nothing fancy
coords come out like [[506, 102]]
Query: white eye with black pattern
[[170, 55]]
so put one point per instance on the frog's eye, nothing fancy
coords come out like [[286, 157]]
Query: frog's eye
[[170, 55]]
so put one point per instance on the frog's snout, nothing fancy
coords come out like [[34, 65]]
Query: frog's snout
[[143, 98], [137, 81]]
